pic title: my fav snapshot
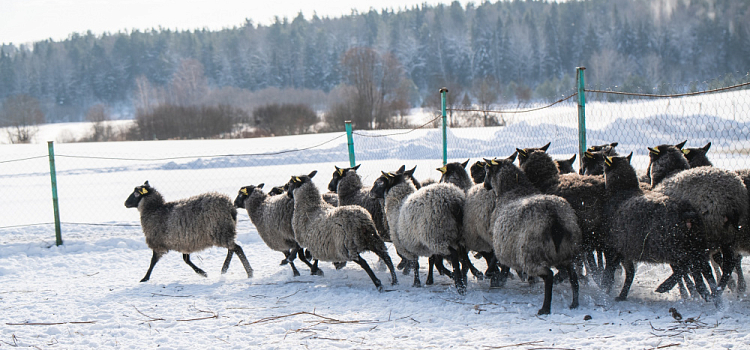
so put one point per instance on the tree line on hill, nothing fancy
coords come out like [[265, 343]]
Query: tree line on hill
[[311, 74]]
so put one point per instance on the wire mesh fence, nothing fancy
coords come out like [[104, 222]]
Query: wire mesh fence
[[95, 178]]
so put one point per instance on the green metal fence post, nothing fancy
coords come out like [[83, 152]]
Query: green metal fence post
[[53, 176], [581, 117], [350, 142], [443, 95]]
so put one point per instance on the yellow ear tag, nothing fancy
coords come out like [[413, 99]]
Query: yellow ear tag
[[442, 169], [341, 172], [588, 154], [654, 151], [243, 190], [523, 152], [143, 190], [493, 162], [296, 179], [608, 161], [686, 151]]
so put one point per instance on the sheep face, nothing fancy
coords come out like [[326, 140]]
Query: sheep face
[[477, 172], [565, 166], [494, 169], [523, 154], [697, 156], [297, 181], [338, 174], [593, 162], [388, 180], [665, 159], [277, 190], [138, 193], [244, 193]]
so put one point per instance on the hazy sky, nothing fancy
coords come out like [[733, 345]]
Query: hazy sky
[[23, 21]]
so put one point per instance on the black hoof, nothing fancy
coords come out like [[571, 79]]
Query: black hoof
[[317, 272], [295, 273], [284, 262], [144, 280], [543, 311], [619, 298], [574, 305]]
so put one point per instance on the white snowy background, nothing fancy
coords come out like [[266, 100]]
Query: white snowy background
[[85, 293]]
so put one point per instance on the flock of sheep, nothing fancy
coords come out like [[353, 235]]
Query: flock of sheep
[[532, 218]]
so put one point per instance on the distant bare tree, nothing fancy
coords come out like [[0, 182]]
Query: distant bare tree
[[487, 93], [22, 114], [189, 85], [99, 115]]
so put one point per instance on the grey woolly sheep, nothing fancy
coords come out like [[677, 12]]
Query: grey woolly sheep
[[187, 226], [647, 226], [697, 157], [565, 166], [585, 193], [455, 173], [532, 232], [424, 222], [347, 184], [272, 217], [335, 234], [718, 195]]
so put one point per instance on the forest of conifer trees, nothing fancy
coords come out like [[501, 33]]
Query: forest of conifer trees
[[517, 50]]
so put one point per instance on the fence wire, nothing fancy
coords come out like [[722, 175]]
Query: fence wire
[[95, 178]]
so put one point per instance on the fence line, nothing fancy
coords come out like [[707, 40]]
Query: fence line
[[22, 159], [514, 112]]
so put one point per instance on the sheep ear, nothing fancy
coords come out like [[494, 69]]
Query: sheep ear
[[410, 172], [544, 148], [686, 151], [573, 158], [630, 156], [143, 190], [356, 167], [681, 144], [608, 161], [488, 162], [588, 154], [339, 171], [312, 174], [465, 163], [146, 184], [613, 144], [653, 150], [401, 169], [706, 147], [522, 152], [260, 186], [512, 157], [442, 169]]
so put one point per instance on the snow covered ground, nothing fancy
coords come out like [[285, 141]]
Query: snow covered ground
[[86, 294]]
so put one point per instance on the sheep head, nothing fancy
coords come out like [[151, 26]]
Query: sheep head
[[244, 194], [138, 193]]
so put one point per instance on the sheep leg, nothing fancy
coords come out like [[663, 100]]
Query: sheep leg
[[197, 270], [676, 277], [314, 270], [415, 264], [741, 285], [458, 276], [404, 265], [295, 272], [727, 267], [154, 258], [430, 264], [241, 255], [700, 287], [466, 261], [629, 275], [366, 267], [574, 287], [384, 257], [548, 282], [608, 277], [497, 278]]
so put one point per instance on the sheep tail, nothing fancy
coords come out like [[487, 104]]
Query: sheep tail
[[557, 232]]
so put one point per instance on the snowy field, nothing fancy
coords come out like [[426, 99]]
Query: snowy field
[[86, 294]]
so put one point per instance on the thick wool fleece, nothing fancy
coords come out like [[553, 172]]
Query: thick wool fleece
[[478, 219], [531, 232], [331, 233], [188, 225], [272, 217], [351, 192]]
